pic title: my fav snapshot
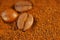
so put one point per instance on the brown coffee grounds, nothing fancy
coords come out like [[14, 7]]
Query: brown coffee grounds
[[46, 24]]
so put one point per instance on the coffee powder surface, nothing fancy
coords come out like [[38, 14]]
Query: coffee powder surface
[[46, 25]]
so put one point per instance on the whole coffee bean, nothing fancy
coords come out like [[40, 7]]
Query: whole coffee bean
[[9, 15], [23, 6], [25, 21]]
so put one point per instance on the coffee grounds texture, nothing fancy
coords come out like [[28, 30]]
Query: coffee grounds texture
[[46, 25]]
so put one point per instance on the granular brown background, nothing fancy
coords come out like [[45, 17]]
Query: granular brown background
[[46, 25]]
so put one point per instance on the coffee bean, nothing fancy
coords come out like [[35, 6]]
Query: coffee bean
[[25, 21], [9, 15], [23, 6]]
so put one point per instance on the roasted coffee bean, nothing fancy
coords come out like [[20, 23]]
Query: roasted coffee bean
[[23, 6], [25, 21], [9, 15]]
